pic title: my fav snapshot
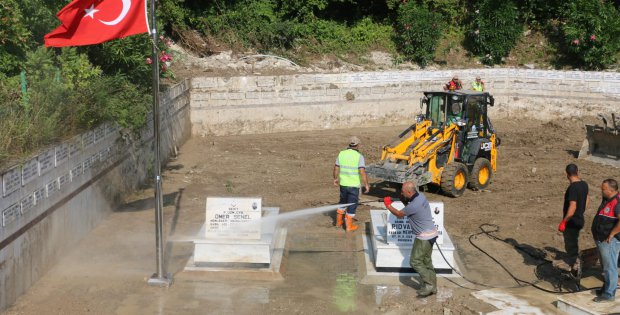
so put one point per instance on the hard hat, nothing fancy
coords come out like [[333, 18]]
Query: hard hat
[[354, 141]]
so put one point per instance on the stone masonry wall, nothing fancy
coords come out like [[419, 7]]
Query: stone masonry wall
[[264, 104], [52, 200]]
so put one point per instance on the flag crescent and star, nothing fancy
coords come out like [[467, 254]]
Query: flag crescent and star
[[87, 22]]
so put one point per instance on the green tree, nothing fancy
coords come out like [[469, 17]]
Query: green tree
[[14, 36], [494, 30], [589, 32], [40, 18], [127, 56], [302, 10], [418, 30]]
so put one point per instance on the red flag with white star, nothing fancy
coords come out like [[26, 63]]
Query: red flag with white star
[[87, 22]]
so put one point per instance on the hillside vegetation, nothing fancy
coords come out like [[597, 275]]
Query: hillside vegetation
[[49, 94]]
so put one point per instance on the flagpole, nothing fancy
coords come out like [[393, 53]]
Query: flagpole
[[158, 278]]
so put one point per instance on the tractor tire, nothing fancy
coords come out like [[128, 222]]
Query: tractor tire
[[481, 174], [454, 178]]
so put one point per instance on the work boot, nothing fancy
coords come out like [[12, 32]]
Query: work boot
[[426, 290], [349, 222], [604, 299], [339, 217]]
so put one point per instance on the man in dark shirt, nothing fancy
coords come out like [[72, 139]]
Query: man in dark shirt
[[576, 200], [606, 232]]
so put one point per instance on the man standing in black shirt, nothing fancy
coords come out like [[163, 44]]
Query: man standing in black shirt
[[576, 200]]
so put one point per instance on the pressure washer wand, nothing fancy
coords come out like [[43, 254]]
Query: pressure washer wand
[[378, 200], [369, 201]]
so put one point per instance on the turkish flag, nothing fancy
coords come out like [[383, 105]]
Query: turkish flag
[[87, 22]]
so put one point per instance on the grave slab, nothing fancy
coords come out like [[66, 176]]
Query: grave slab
[[231, 245], [581, 303], [387, 246]]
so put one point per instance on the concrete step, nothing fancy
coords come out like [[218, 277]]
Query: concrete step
[[581, 303]]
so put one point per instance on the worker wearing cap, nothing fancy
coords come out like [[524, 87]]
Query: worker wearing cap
[[454, 84], [477, 85], [349, 175]]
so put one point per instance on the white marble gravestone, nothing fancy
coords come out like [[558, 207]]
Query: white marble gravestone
[[235, 236], [392, 239], [399, 231], [233, 218]]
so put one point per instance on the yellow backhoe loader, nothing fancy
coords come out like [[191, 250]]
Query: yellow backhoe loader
[[453, 145]]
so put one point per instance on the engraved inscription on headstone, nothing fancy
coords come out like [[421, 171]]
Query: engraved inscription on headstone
[[11, 181], [30, 170], [63, 180], [76, 171], [88, 138], [99, 133], [233, 218], [39, 195], [10, 214], [75, 145], [399, 230], [46, 161], [52, 187], [62, 153], [27, 203]]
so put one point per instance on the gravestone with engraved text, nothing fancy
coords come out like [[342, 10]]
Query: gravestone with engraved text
[[233, 218]]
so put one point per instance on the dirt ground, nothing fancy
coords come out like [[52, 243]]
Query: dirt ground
[[105, 273]]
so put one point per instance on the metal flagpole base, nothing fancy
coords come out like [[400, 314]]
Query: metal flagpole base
[[156, 281]]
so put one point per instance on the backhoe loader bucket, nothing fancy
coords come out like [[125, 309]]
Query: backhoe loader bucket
[[602, 143]]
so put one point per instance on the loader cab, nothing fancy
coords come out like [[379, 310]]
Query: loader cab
[[443, 108], [467, 109]]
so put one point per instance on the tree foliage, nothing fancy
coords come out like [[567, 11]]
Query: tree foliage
[[418, 30], [590, 33], [14, 36], [65, 94], [72, 89], [494, 30]]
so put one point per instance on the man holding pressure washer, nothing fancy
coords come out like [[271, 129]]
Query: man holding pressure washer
[[349, 175], [418, 212]]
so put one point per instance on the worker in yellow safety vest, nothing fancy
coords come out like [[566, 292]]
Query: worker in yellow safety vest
[[349, 174], [477, 85]]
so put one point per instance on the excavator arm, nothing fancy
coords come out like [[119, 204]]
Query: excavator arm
[[414, 157]]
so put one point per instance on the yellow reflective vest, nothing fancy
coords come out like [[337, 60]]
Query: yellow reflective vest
[[348, 161], [477, 86]]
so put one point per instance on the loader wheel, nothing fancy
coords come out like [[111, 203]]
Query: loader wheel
[[481, 174], [454, 178]]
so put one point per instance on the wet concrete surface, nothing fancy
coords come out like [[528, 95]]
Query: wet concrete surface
[[107, 272]]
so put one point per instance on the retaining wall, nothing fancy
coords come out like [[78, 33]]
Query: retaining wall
[[52, 200], [263, 104]]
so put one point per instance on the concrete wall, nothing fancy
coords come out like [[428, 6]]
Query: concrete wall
[[263, 104], [52, 200]]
